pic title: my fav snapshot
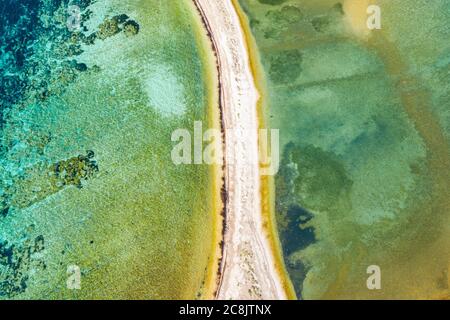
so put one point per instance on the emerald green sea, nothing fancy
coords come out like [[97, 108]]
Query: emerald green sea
[[364, 120], [91, 204]]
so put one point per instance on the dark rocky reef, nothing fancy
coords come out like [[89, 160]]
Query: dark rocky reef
[[33, 46], [41, 181], [108, 28], [112, 26], [38, 52], [75, 170], [16, 260], [131, 28]]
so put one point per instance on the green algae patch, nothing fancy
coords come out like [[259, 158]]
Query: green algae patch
[[88, 184], [365, 155]]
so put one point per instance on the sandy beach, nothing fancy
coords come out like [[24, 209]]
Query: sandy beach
[[247, 269]]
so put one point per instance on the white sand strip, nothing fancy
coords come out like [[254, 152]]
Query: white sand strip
[[248, 267]]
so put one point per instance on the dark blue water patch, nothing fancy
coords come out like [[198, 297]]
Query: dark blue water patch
[[18, 28], [295, 238], [20, 32], [17, 31], [6, 252], [11, 12]]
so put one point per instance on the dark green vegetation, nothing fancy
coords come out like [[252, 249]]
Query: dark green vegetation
[[365, 127], [283, 72], [272, 2]]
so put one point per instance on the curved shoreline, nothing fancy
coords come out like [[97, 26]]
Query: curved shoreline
[[267, 182], [247, 269], [214, 269]]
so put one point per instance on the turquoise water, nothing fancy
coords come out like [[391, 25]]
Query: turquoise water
[[86, 177]]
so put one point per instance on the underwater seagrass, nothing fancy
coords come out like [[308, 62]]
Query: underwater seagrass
[[86, 179], [364, 119]]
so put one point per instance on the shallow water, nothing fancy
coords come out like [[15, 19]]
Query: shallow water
[[86, 177], [364, 126]]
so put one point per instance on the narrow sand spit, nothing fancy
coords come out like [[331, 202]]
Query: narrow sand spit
[[248, 268]]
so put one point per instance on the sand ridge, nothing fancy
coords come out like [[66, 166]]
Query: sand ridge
[[247, 270]]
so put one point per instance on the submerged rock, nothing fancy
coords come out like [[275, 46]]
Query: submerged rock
[[41, 181], [74, 170], [108, 28], [131, 28], [17, 260], [112, 26], [4, 211], [81, 67]]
